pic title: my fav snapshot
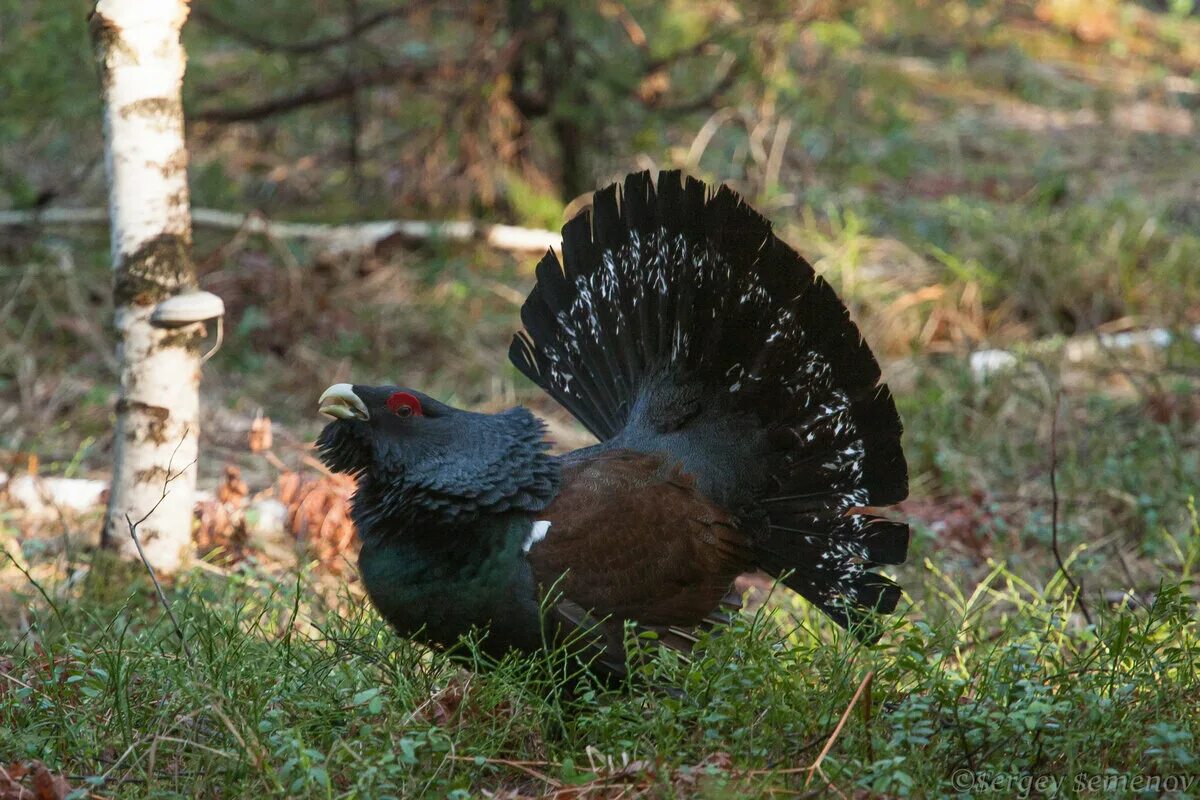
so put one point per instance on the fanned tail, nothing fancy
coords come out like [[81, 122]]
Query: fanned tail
[[677, 322]]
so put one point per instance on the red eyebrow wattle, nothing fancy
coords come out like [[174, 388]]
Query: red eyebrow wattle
[[399, 399]]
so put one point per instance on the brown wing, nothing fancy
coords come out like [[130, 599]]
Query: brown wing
[[630, 537]]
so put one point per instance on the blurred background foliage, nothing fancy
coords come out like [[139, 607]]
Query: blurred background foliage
[[969, 175], [993, 139]]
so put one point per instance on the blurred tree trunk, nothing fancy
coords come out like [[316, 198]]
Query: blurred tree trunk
[[141, 62], [547, 50]]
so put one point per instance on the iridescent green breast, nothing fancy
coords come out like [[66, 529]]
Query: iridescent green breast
[[434, 585]]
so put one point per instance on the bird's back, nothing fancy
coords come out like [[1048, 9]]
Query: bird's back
[[678, 326]]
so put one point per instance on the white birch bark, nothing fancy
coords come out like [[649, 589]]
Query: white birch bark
[[142, 60]]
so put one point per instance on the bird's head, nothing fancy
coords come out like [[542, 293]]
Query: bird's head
[[383, 430], [413, 454]]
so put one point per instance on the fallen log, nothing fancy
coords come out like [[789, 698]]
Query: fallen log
[[331, 238]]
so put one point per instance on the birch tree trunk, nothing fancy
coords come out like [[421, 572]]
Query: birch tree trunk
[[137, 44]]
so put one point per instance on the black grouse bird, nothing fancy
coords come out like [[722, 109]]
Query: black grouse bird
[[742, 427]]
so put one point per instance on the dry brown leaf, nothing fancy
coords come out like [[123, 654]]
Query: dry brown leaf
[[221, 522], [48, 785], [233, 490], [1168, 407], [319, 515], [685, 779], [966, 524], [259, 438], [31, 780]]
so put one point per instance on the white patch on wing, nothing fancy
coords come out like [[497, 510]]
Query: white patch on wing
[[536, 534]]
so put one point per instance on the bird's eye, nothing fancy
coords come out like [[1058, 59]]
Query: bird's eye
[[403, 404]]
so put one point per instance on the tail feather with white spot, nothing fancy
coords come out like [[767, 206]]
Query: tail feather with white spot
[[677, 322]]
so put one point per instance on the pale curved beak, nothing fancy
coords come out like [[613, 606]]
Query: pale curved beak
[[341, 402]]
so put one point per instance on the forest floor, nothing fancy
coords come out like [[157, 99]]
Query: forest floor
[[1037, 193]]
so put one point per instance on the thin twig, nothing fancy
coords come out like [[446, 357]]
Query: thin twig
[[162, 597], [1062, 567], [197, 745], [14, 679], [816, 765], [133, 526], [867, 709], [36, 585], [524, 766]]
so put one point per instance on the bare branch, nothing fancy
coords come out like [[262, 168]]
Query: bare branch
[[321, 93], [690, 51], [54, 216], [350, 237], [309, 47], [724, 83]]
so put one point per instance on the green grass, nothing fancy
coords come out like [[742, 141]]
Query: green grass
[[283, 696], [293, 689], [991, 667]]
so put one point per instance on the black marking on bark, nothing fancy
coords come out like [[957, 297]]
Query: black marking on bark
[[156, 419], [155, 473], [155, 106], [177, 163], [189, 337], [155, 271], [106, 41]]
